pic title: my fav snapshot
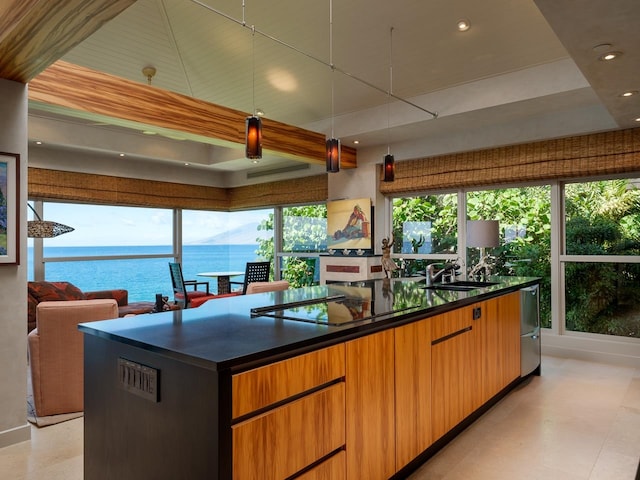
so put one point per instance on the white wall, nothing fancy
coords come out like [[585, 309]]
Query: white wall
[[13, 280]]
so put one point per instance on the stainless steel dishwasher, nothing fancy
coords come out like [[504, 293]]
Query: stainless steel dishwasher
[[529, 329]]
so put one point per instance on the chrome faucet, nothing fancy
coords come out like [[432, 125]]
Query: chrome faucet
[[433, 276]]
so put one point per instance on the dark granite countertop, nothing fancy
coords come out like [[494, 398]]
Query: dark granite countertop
[[224, 334]]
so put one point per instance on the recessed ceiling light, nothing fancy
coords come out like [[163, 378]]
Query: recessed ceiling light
[[356, 142], [38, 142], [609, 56], [630, 93], [463, 25], [255, 161], [186, 164], [638, 119], [122, 154]]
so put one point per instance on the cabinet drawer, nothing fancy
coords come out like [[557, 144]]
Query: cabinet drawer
[[278, 381], [277, 444], [333, 468], [451, 322]]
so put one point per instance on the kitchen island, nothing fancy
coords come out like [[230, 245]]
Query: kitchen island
[[357, 381]]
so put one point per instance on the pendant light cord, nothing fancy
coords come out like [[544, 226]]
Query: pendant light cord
[[253, 67], [390, 91], [331, 60], [34, 211]]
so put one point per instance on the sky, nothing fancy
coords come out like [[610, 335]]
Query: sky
[[108, 225]]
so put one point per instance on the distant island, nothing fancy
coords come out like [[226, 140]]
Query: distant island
[[244, 235]]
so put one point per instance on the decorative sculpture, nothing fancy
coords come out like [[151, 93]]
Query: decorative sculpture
[[417, 243], [388, 265]]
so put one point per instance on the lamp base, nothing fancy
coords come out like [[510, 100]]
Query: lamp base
[[483, 265]]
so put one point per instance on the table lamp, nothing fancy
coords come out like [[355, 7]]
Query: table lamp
[[482, 234]]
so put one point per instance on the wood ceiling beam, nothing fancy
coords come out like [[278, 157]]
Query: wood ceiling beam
[[36, 33], [84, 92]]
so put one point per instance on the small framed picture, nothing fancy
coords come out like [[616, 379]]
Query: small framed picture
[[9, 208]]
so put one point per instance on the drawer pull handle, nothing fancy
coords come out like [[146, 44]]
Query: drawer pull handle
[[451, 335]]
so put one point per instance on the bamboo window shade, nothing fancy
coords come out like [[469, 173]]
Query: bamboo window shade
[[110, 190], [616, 152]]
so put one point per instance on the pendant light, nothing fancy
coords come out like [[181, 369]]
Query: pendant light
[[253, 123], [389, 163], [44, 228], [333, 144]]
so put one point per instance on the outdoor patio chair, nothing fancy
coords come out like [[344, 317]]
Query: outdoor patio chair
[[180, 293], [254, 272]]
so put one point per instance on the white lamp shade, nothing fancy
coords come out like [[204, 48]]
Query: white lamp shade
[[483, 233]]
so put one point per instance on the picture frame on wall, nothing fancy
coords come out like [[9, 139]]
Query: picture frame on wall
[[349, 226], [9, 208]]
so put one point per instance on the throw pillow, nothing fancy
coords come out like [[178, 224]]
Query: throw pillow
[[55, 291]]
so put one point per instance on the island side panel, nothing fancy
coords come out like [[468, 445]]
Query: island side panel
[[132, 437]]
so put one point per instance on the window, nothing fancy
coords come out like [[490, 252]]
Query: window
[[304, 236], [130, 247], [425, 224], [223, 241], [425, 227], [601, 264], [110, 247], [524, 216]]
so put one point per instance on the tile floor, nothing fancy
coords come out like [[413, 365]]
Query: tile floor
[[578, 421]]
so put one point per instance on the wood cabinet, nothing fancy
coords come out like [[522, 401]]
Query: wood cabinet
[[370, 413], [290, 414], [454, 370], [334, 468], [277, 444], [261, 387], [498, 337], [413, 390]]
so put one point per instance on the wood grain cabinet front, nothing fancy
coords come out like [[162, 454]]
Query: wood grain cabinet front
[[288, 415], [412, 390], [333, 468], [264, 386], [370, 407], [289, 438], [454, 370], [498, 334]]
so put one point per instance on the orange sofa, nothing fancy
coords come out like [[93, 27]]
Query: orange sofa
[[59, 291]]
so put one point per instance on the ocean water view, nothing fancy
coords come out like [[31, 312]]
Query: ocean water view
[[145, 277]]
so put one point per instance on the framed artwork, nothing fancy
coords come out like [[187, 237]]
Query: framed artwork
[[9, 208], [349, 226]]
